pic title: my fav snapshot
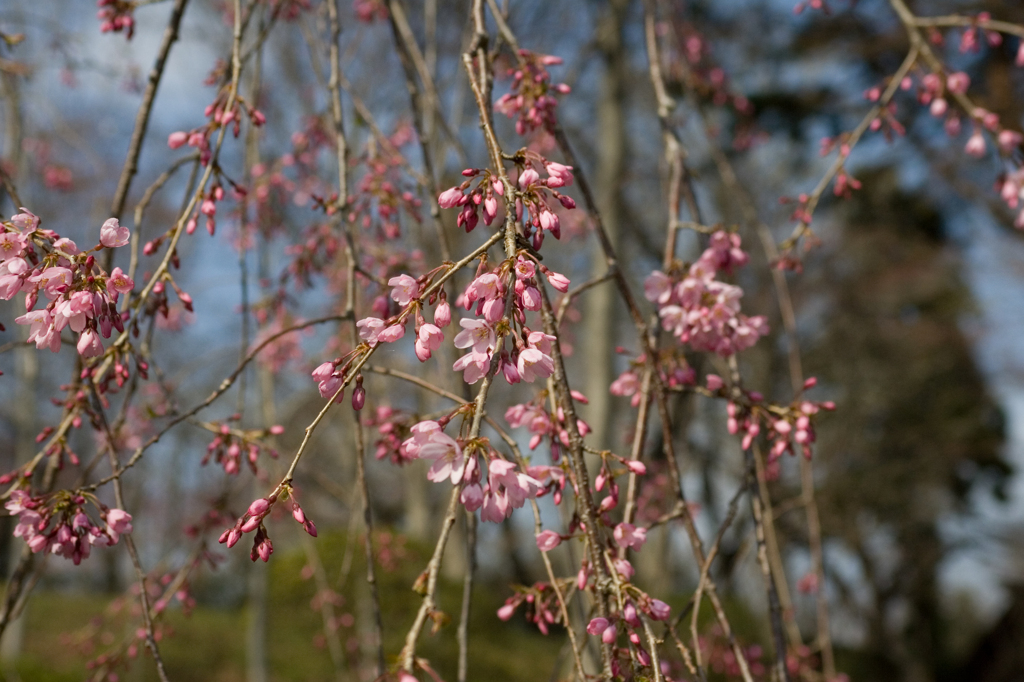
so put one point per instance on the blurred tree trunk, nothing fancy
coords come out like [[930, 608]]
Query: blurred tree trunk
[[602, 301], [26, 378]]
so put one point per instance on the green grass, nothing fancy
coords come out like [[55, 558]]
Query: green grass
[[63, 632]]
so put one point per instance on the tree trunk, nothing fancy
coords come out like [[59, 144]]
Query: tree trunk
[[602, 301]]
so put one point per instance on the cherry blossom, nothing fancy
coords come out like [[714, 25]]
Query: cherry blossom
[[113, 235]]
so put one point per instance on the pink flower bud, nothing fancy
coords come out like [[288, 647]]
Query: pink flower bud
[[450, 198], [629, 615], [528, 177], [234, 535], [975, 145], [623, 568], [636, 467], [1009, 140], [358, 398], [660, 610], [715, 382], [597, 626], [548, 540], [609, 635], [89, 344], [259, 507], [506, 611], [558, 281], [443, 314], [958, 82], [178, 139]]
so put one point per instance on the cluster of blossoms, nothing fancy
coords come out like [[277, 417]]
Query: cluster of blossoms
[[531, 100], [789, 428], [534, 197], [495, 488], [393, 427], [368, 11], [541, 602], [541, 423], [61, 526], [252, 520], [330, 378], [675, 374], [935, 89], [691, 65], [219, 116], [229, 444], [628, 621], [81, 296], [381, 192], [489, 296], [717, 650], [116, 16], [702, 311]]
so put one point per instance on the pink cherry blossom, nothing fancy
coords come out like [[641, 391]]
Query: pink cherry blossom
[[26, 221], [41, 331], [473, 365], [370, 329], [428, 340], [89, 344], [558, 174], [472, 497], [119, 522], [12, 245], [73, 311], [518, 486], [476, 334], [323, 372], [119, 282], [405, 289], [495, 507], [113, 235], [628, 535], [532, 299], [449, 461], [10, 277], [485, 287], [525, 268], [533, 365], [541, 341], [392, 333], [329, 386], [658, 287], [53, 281]]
